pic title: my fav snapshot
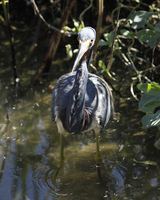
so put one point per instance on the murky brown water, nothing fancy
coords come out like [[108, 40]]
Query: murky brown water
[[30, 153]]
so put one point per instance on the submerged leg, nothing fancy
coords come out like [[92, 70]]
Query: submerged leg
[[61, 159], [61, 131], [61, 151], [98, 157]]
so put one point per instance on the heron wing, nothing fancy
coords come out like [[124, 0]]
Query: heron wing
[[61, 94], [98, 100]]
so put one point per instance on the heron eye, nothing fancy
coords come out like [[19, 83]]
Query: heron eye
[[91, 41], [78, 38]]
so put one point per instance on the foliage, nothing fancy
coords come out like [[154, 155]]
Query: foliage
[[149, 101], [140, 26], [77, 27], [105, 69], [130, 38], [139, 18], [5, 10], [150, 104], [149, 35], [132, 32]]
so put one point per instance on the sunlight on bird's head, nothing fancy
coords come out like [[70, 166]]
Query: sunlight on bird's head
[[87, 33], [86, 38]]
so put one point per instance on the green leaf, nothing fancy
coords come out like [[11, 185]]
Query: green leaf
[[102, 65], [158, 135], [124, 32], [5, 10], [148, 36], [157, 27], [151, 97], [103, 43], [109, 37], [106, 35], [69, 51], [75, 51], [157, 144], [147, 162], [149, 102], [150, 25], [139, 18], [152, 88], [107, 71], [104, 69], [127, 34], [151, 120]]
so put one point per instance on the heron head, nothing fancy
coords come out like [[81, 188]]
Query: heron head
[[86, 38]]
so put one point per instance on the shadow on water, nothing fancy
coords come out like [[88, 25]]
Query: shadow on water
[[30, 154]]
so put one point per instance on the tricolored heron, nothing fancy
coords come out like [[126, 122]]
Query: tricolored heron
[[82, 101]]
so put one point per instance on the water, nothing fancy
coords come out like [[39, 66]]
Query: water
[[30, 165]]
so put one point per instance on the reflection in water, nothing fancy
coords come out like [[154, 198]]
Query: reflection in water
[[30, 155], [46, 181]]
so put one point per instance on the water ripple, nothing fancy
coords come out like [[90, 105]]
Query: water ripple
[[46, 180], [116, 181]]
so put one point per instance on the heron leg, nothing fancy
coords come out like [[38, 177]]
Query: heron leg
[[98, 156], [61, 150]]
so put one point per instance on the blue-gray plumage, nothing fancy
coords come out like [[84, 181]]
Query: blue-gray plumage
[[81, 101]]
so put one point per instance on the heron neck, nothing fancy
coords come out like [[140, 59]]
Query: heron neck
[[77, 101]]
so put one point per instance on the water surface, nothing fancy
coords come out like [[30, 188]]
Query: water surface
[[30, 152]]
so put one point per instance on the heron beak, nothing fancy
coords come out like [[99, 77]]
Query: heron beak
[[83, 47]]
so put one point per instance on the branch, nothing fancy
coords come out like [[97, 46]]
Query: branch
[[47, 24], [99, 24], [154, 50], [81, 15], [11, 40], [45, 67]]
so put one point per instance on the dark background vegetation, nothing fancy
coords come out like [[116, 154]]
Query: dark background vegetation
[[33, 56], [26, 37]]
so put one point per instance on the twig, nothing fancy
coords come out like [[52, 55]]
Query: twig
[[99, 23], [149, 69], [81, 15], [154, 50], [56, 37], [111, 55], [11, 40], [36, 35], [133, 66], [7, 1], [139, 58], [47, 24], [116, 28], [45, 66]]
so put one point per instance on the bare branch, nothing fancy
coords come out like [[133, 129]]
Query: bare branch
[[47, 24]]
